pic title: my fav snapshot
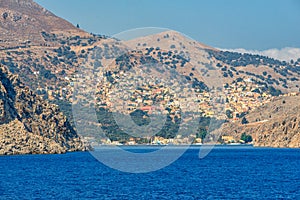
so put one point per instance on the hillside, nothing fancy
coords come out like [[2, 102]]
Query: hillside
[[231, 66], [276, 124], [30, 125], [43, 49], [50, 55], [22, 21]]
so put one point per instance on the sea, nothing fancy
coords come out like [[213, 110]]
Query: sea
[[227, 172]]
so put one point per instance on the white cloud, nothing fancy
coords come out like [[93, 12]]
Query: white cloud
[[286, 53]]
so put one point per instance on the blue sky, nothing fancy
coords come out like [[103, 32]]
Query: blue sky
[[249, 24]]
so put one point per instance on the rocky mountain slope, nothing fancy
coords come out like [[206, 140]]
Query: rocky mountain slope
[[48, 53], [232, 66], [30, 125], [22, 21], [276, 124]]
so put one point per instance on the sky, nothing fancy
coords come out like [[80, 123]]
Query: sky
[[228, 24]]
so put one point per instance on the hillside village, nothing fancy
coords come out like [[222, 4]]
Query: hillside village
[[242, 97], [50, 62]]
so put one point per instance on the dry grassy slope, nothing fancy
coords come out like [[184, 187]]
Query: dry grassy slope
[[168, 38], [200, 57], [172, 40], [276, 124], [24, 20], [195, 52]]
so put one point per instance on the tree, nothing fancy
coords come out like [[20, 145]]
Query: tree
[[244, 120], [265, 73], [229, 114], [77, 26], [273, 91], [5, 15], [256, 90], [246, 138], [239, 79], [202, 133]]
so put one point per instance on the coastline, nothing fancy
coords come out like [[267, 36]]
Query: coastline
[[156, 147]]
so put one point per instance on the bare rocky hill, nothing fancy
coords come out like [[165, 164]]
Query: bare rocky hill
[[30, 125], [22, 21]]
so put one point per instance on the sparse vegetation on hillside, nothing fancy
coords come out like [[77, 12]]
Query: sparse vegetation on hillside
[[246, 138]]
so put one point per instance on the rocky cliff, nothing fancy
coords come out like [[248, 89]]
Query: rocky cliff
[[276, 124], [30, 125]]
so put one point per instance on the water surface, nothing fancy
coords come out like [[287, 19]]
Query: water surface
[[226, 173]]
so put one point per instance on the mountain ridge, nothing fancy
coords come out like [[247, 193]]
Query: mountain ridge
[[22, 22]]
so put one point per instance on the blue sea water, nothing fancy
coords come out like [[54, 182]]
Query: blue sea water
[[226, 173]]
